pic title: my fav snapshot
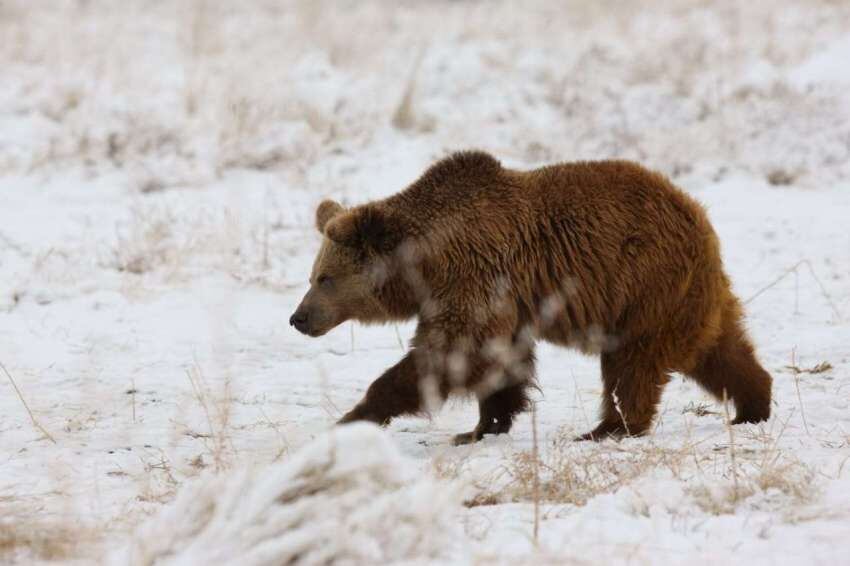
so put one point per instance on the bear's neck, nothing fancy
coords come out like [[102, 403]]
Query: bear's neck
[[398, 299], [400, 290]]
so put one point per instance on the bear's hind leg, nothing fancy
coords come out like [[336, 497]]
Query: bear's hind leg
[[730, 369], [496, 412], [633, 379]]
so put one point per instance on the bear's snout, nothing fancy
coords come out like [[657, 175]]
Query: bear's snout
[[300, 320]]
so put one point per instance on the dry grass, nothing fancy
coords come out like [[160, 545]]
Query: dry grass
[[822, 367], [217, 412], [717, 481], [34, 421], [699, 409], [572, 474], [794, 269], [404, 117], [158, 483], [247, 102], [172, 242], [247, 95], [762, 469], [148, 242], [781, 475], [26, 536]]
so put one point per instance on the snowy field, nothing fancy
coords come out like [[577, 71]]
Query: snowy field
[[160, 164]]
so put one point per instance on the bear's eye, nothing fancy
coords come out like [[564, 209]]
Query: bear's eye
[[323, 280]]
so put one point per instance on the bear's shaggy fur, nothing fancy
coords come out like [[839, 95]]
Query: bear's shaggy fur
[[605, 256]]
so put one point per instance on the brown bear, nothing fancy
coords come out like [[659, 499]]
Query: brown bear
[[605, 256]]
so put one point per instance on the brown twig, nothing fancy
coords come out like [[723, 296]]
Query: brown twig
[[731, 445], [35, 422], [793, 269], [797, 387], [403, 118], [619, 409], [819, 368], [536, 486], [200, 390], [266, 263], [398, 337]]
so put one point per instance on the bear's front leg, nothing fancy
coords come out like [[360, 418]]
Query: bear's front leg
[[496, 412], [498, 406], [395, 393]]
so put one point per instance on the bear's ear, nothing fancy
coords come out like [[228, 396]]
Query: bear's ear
[[326, 210], [367, 228]]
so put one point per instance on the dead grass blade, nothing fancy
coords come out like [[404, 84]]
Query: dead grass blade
[[35, 422], [794, 269]]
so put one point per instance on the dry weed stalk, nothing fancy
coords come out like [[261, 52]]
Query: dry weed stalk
[[217, 423], [571, 474], [791, 476], [536, 485], [818, 368], [284, 445], [35, 422], [616, 399], [757, 471], [404, 118], [698, 409], [797, 388], [157, 471], [398, 337], [793, 269], [728, 422], [133, 397]]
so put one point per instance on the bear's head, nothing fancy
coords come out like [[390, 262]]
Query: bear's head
[[349, 268]]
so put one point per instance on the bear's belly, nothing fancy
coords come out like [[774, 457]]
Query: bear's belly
[[592, 340]]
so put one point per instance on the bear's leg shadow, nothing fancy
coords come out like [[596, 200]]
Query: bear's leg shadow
[[730, 369], [633, 379]]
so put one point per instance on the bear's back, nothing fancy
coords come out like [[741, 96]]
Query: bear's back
[[610, 231], [473, 188]]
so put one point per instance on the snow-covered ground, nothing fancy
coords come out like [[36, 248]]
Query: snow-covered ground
[[160, 164]]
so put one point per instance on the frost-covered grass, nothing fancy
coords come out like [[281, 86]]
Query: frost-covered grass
[[159, 168], [176, 93], [349, 497]]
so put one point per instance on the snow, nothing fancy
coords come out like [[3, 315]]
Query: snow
[[160, 165], [349, 497]]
